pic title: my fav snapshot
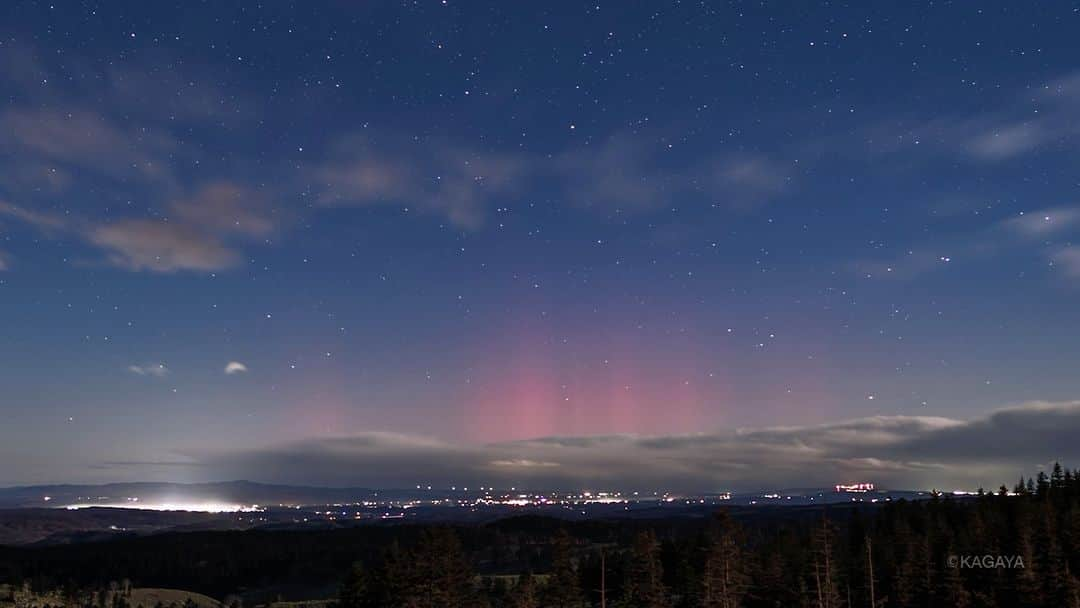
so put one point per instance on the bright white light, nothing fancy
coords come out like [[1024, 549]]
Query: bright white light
[[201, 507]]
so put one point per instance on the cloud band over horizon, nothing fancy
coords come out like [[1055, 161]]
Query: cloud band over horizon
[[908, 452]]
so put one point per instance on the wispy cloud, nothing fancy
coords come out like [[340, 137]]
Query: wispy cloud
[[1068, 259], [1030, 123], [1005, 141], [129, 129], [1045, 233], [894, 451], [1044, 223], [627, 173], [161, 247], [235, 367], [43, 221], [1042, 117], [428, 176], [80, 139], [157, 370], [200, 238], [632, 172], [116, 137], [197, 233], [224, 207], [1050, 115], [463, 184]]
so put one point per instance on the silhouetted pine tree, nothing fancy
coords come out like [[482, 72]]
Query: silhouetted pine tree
[[772, 585], [1057, 477], [397, 577], [1026, 587], [563, 589], [1072, 589], [524, 594], [1020, 488], [824, 583], [356, 590], [686, 573], [444, 575], [644, 584], [433, 574], [1042, 484], [724, 580], [1049, 561]]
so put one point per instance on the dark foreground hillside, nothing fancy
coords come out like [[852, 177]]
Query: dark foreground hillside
[[1018, 548]]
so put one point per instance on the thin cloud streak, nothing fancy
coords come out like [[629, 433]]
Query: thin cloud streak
[[205, 235], [156, 370]]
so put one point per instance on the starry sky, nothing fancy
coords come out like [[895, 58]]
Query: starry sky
[[286, 240]]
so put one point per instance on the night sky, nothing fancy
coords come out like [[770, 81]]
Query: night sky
[[560, 243]]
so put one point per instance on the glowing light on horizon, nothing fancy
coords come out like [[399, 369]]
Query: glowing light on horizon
[[195, 507]]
